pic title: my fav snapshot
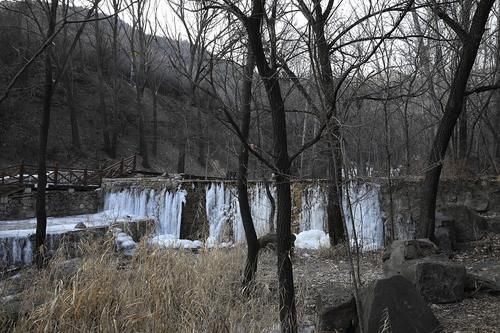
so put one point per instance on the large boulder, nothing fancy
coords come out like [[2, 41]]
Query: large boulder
[[483, 276], [434, 277], [64, 270], [400, 252], [393, 305], [445, 234], [339, 318], [438, 281], [468, 224], [270, 241]]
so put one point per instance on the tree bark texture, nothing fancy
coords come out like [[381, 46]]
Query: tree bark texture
[[246, 216]]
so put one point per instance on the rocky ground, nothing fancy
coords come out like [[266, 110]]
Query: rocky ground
[[323, 277]]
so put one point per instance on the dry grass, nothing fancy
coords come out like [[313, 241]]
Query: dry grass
[[155, 291]]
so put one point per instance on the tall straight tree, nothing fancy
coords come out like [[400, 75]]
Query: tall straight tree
[[101, 86], [318, 18], [268, 71], [50, 83], [140, 43], [246, 216], [471, 39], [41, 213]]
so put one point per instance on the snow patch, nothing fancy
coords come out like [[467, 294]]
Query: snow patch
[[172, 242], [312, 239]]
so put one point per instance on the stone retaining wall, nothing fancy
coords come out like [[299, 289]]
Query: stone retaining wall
[[479, 194], [59, 203]]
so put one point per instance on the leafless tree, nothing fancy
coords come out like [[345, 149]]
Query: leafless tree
[[470, 39]]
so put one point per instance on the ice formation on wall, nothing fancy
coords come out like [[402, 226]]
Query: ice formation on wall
[[366, 215], [223, 213], [313, 210], [364, 199], [16, 250], [223, 209], [165, 206]]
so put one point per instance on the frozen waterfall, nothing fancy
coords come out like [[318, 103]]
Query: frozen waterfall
[[366, 213], [223, 211], [313, 210], [164, 205]]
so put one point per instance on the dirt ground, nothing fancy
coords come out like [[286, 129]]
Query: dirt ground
[[322, 278]]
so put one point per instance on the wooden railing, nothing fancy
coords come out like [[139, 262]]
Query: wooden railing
[[121, 168], [27, 175]]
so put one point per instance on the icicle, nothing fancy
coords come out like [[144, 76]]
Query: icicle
[[165, 206], [313, 211]]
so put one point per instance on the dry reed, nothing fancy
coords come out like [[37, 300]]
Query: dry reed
[[155, 291]]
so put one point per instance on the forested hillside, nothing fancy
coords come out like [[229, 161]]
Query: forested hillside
[[81, 122], [166, 93]]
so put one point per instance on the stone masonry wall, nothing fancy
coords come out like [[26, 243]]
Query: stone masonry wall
[[479, 194], [59, 203]]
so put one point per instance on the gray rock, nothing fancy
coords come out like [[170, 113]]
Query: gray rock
[[434, 277], [341, 318], [446, 237], [493, 223], [469, 225], [65, 270], [394, 304], [12, 308], [80, 225], [478, 202], [400, 251], [483, 276], [270, 241], [439, 281]]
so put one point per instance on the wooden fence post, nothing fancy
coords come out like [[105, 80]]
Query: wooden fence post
[[56, 170], [121, 167], [100, 174], [85, 176], [21, 172]]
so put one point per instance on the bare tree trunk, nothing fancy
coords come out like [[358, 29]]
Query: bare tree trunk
[[155, 123], [334, 205], [143, 147], [273, 206], [462, 130], [101, 108], [335, 223], [115, 118], [462, 133], [246, 216], [41, 213], [453, 109], [181, 160], [269, 75], [496, 115], [73, 115]]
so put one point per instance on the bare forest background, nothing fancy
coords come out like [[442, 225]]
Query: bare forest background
[[164, 92]]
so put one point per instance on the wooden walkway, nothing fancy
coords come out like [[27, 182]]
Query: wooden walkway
[[25, 175]]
